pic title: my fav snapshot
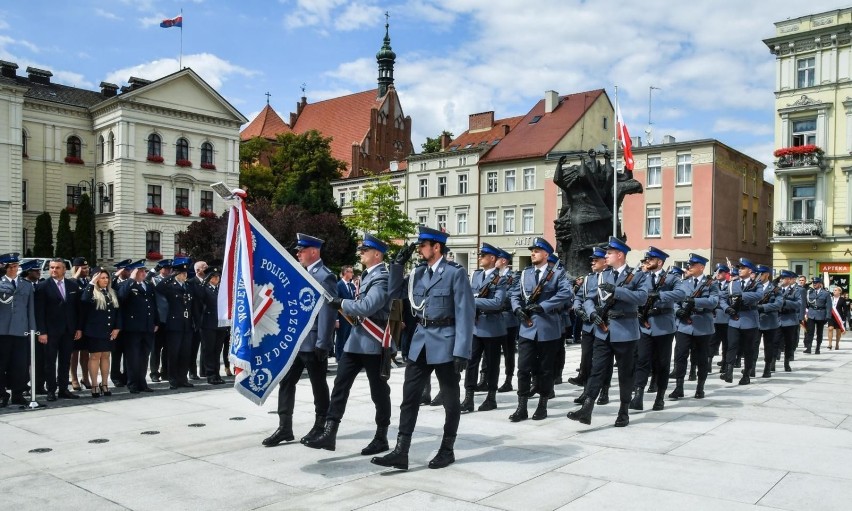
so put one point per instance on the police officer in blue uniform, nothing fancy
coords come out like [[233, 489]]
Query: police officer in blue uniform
[[720, 319], [740, 299], [17, 320], [657, 327], [613, 306], [510, 341], [118, 371], [180, 321], [489, 330], [140, 321], [789, 316], [768, 323], [313, 353], [565, 324], [442, 300], [694, 313], [587, 337], [159, 355], [818, 302], [542, 292], [213, 335], [369, 311]]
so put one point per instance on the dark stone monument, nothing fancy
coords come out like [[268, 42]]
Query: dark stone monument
[[585, 219]]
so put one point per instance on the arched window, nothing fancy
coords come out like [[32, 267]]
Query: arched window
[[111, 146], [101, 147], [75, 147], [206, 154], [155, 145], [182, 150], [152, 242]]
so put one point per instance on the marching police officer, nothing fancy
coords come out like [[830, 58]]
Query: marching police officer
[[17, 320], [613, 306], [313, 353], [140, 321], [369, 311], [694, 313], [442, 300], [818, 301], [789, 316], [720, 319], [587, 338], [180, 321], [768, 322], [740, 299], [543, 290], [510, 341]]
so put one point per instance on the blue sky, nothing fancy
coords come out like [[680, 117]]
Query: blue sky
[[454, 57]]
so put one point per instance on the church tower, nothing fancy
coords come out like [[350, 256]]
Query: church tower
[[385, 57]]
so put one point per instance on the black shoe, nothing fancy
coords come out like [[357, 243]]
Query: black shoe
[[787, 367], [636, 402], [173, 386], [193, 376], [652, 386], [284, 433], [426, 396], [678, 390], [699, 390], [767, 372], [445, 455], [729, 373], [584, 414], [4, 400], [807, 350], [752, 373], [467, 404], [438, 401], [316, 430], [579, 399], [66, 394], [576, 380], [379, 442], [744, 380], [51, 396], [816, 352], [398, 457], [506, 387], [540, 410], [623, 418], [603, 398], [186, 384], [659, 403], [133, 391], [490, 402], [18, 399], [147, 389], [520, 413], [481, 385], [156, 378], [327, 439]]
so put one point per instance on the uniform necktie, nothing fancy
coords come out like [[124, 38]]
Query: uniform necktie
[[143, 287], [14, 284], [615, 272], [695, 281], [364, 275], [351, 288], [431, 273], [61, 288], [537, 274]]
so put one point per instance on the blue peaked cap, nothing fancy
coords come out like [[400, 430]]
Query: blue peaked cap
[[787, 274], [487, 248], [617, 244], [598, 253], [542, 244], [429, 234], [655, 252], [305, 241], [745, 263], [9, 258], [31, 265], [552, 259], [762, 268], [676, 270], [722, 268], [373, 242], [697, 259], [163, 263], [137, 264], [505, 255]]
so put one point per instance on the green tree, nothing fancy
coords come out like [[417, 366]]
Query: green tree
[[254, 151], [43, 242], [64, 236], [84, 230], [378, 212], [258, 181], [433, 145], [304, 168]]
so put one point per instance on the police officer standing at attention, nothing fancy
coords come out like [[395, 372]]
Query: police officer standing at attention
[[442, 300], [789, 317], [818, 301], [140, 321], [213, 336], [17, 319], [159, 355], [657, 327], [362, 350], [740, 299], [613, 306], [768, 323], [313, 353], [694, 323], [543, 290], [180, 322]]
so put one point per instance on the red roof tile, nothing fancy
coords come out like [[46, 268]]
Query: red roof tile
[[267, 124], [535, 140], [486, 137]]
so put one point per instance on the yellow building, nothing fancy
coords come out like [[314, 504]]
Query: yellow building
[[813, 139]]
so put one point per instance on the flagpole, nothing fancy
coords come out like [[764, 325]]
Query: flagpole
[[180, 58], [615, 169]]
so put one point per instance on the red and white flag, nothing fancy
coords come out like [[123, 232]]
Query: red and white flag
[[624, 137], [837, 319]]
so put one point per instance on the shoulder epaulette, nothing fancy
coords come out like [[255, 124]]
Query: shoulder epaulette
[[454, 264]]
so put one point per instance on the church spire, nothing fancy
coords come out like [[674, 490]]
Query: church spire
[[386, 58]]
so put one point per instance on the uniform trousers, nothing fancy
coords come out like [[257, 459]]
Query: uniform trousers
[[159, 355], [536, 357], [741, 340], [319, 385], [57, 360], [788, 337], [603, 352], [196, 368], [179, 346], [137, 350], [489, 348], [770, 341], [559, 359], [117, 369], [587, 343], [348, 367], [212, 340], [14, 351], [417, 374], [699, 345], [654, 354], [814, 325], [720, 338], [510, 348]]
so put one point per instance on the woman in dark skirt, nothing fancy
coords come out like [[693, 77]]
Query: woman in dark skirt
[[100, 322]]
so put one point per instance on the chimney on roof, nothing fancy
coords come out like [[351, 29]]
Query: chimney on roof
[[41, 76], [136, 83], [108, 89], [394, 166], [8, 69], [668, 139], [505, 129], [481, 121], [445, 141], [551, 101]]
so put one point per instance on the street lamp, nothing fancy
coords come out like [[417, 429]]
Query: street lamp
[[83, 187]]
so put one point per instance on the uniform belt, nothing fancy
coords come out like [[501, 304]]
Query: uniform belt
[[748, 308], [622, 315], [437, 322], [657, 312], [487, 313]]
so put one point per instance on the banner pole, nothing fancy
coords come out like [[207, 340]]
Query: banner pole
[[33, 403], [615, 169]]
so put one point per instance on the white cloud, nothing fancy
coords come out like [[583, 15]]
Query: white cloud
[[152, 21], [312, 12], [3, 24], [106, 14], [357, 15], [213, 69], [725, 124], [337, 14]]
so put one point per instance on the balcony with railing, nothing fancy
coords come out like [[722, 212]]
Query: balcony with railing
[[806, 229], [799, 159]]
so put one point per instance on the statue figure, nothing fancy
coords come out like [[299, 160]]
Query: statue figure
[[585, 219]]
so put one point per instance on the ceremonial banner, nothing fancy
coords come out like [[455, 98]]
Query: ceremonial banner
[[270, 300]]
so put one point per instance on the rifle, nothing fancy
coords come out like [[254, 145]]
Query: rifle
[[485, 291], [735, 302], [610, 302], [649, 303], [685, 312], [536, 292]]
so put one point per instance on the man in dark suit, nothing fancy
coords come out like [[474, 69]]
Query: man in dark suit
[[345, 291], [56, 304], [139, 323], [198, 282]]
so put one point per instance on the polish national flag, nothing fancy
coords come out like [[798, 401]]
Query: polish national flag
[[624, 137]]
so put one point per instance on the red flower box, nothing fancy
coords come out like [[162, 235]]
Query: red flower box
[[154, 210], [208, 166], [183, 163], [183, 211], [207, 214], [153, 256], [71, 209], [797, 150], [155, 158], [74, 160]]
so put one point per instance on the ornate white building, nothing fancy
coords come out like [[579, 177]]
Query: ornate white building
[[149, 150]]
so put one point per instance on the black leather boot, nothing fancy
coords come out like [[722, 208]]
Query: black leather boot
[[659, 401], [379, 442], [584, 414], [327, 439], [729, 373], [691, 372], [652, 386], [284, 433], [467, 404], [699, 389], [678, 390], [490, 402], [316, 430], [787, 367], [636, 402], [521, 412], [767, 370], [398, 457], [533, 387], [481, 385], [582, 397], [426, 396], [438, 401], [745, 380], [623, 418], [578, 380], [445, 454], [540, 410], [507, 385], [603, 398]]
